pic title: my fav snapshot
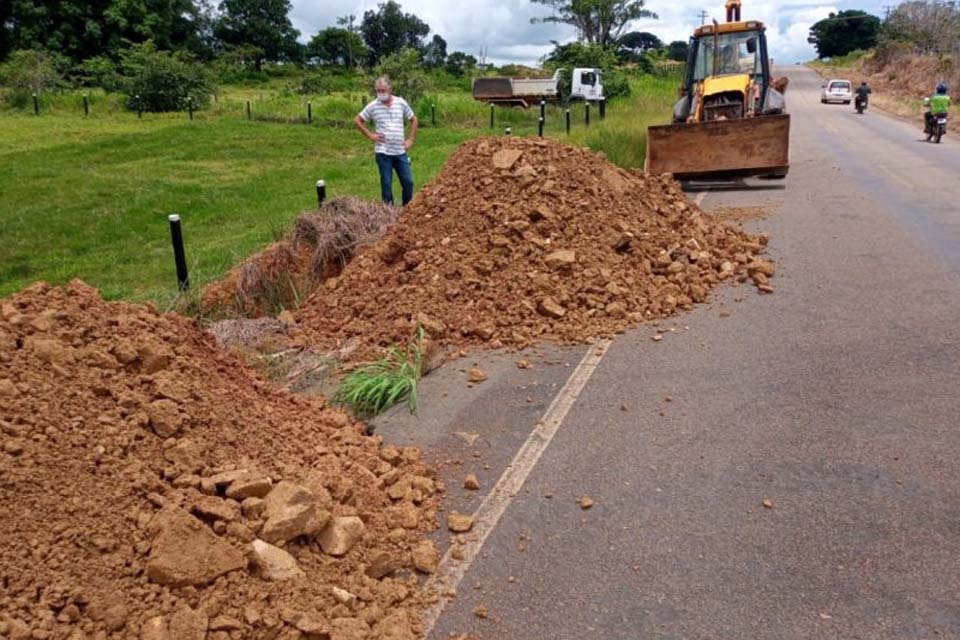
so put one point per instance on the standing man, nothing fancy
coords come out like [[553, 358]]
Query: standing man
[[388, 113]]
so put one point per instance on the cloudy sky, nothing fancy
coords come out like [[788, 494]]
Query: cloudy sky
[[503, 26]]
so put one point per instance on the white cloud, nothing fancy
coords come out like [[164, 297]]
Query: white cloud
[[504, 28]]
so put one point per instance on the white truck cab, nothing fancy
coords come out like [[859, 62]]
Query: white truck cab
[[587, 84]]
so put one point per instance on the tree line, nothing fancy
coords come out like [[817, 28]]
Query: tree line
[[146, 49], [924, 26]]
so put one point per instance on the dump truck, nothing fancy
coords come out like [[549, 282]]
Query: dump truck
[[585, 84], [731, 118]]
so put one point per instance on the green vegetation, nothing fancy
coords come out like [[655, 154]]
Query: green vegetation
[[88, 197], [844, 32], [374, 388]]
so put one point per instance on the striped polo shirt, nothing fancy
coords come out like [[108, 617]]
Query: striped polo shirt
[[388, 121]]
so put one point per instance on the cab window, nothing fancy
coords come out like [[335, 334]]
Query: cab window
[[588, 78]]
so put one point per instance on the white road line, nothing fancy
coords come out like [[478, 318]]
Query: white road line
[[451, 572]]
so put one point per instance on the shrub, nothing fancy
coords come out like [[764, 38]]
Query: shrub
[[27, 72], [164, 81], [313, 84], [98, 71], [406, 74]]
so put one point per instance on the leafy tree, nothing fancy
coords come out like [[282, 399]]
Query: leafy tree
[[389, 30], [30, 71], [163, 80], [930, 26], [406, 74], [576, 54], [264, 24], [460, 64], [599, 22], [843, 32], [435, 53], [639, 42], [336, 46], [678, 50], [349, 22]]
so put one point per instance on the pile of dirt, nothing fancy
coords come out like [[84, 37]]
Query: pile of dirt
[[287, 271], [154, 488], [526, 239]]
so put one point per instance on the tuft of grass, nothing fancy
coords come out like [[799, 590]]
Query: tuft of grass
[[376, 387]]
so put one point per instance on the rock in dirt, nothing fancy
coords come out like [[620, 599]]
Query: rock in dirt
[[585, 502], [506, 158], [383, 564], [188, 624], [155, 628], [273, 563], [425, 557], [476, 375], [471, 483], [292, 511], [187, 553], [559, 260], [340, 535], [344, 597], [459, 522], [551, 308]]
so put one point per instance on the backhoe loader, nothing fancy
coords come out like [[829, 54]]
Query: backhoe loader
[[731, 118]]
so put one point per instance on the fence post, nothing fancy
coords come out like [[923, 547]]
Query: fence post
[[433, 114], [139, 106], [86, 105], [568, 120], [309, 112], [249, 115], [508, 131], [190, 106], [179, 256], [586, 114], [491, 115], [540, 127], [36, 105], [603, 108], [543, 109], [321, 192]]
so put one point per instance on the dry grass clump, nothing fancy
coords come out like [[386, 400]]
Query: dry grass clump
[[281, 276]]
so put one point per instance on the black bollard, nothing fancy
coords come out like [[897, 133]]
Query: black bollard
[[321, 192], [190, 106], [508, 131], [86, 106], [249, 114], [433, 115], [540, 128], [139, 108], [309, 113], [568, 121], [543, 109], [491, 116], [179, 256], [36, 105], [603, 108], [586, 114]]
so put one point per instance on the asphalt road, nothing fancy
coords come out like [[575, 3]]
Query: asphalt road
[[836, 399]]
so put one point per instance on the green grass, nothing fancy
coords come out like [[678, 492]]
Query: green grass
[[374, 388], [88, 197]]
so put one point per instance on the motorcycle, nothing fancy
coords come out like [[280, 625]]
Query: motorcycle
[[861, 104], [936, 127]]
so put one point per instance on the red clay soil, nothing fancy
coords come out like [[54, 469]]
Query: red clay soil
[[153, 487], [524, 239]]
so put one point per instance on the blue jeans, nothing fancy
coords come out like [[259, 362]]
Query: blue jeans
[[387, 165]]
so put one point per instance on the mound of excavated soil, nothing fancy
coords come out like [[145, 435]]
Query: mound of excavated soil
[[524, 239], [152, 487]]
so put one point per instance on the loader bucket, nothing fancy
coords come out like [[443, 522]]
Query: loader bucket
[[721, 148]]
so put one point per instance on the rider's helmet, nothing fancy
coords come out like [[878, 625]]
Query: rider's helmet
[[942, 89], [863, 83]]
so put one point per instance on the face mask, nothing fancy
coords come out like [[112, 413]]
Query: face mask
[[383, 97]]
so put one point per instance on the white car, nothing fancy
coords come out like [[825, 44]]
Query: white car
[[837, 91]]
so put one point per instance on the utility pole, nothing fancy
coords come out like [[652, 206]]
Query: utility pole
[[703, 15]]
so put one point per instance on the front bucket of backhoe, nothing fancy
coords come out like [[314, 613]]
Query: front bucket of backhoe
[[722, 148]]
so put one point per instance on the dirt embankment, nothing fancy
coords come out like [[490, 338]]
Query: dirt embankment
[[525, 239], [154, 488]]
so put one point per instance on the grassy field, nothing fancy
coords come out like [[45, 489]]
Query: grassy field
[[89, 197]]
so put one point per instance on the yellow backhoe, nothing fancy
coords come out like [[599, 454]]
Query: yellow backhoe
[[731, 119]]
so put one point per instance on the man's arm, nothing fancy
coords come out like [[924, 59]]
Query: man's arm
[[412, 138], [365, 130]]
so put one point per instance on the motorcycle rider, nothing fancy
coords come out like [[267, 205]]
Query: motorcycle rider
[[863, 91], [939, 105]]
